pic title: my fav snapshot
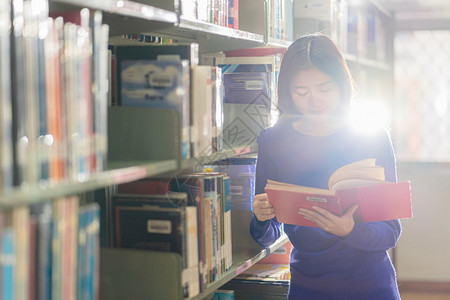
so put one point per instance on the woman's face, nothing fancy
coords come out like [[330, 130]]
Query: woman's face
[[315, 93]]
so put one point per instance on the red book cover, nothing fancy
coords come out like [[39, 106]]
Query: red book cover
[[380, 202], [287, 203]]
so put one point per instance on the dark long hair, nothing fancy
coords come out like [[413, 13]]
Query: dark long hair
[[313, 50]]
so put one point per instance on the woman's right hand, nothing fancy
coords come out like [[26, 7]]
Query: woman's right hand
[[262, 209]]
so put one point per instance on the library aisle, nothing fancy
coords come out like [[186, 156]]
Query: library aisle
[[129, 140]]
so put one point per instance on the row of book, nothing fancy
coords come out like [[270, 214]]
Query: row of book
[[189, 214], [50, 251], [53, 87], [223, 103], [220, 12], [367, 34], [359, 29], [281, 19]]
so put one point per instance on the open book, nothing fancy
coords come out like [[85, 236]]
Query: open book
[[361, 183]]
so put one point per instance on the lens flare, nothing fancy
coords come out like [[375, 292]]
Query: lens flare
[[368, 116]]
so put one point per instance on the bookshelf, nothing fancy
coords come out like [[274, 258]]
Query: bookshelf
[[121, 270], [136, 279], [123, 16]]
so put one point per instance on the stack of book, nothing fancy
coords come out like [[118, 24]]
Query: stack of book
[[170, 77], [189, 214], [50, 251], [54, 94]]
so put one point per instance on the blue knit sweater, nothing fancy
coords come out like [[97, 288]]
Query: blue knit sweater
[[325, 266]]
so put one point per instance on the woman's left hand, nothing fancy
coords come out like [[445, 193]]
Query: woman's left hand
[[338, 225]]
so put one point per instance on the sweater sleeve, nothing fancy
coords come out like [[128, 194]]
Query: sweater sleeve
[[267, 232], [265, 167], [374, 236]]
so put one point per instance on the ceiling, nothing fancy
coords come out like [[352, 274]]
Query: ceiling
[[418, 14]]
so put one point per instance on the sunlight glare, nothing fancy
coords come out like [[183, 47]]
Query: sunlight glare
[[368, 116]]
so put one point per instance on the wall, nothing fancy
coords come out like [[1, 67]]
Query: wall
[[423, 251]]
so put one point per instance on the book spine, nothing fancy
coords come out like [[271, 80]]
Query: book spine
[[233, 14], [18, 94], [6, 148], [30, 39], [40, 12], [54, 112], [20, 223], [227, 224], [192, 250], [8, 263], [217, 110], [44, 252]]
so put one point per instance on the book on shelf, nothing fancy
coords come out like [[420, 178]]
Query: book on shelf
[[160, 62], [233, 14], [20, 225], [227, 249], [145, 186], [167, 199], [249, 90], [100, 76], [206, 110], [37, 83], [204, 188], [43, 214], [158, 84], [189, 9], [193, 186], [41, 253], [87, 276], [217, 109], [156, 228], [217, 187], [179, 51], [55, 104], [78, 95], [266, 272], [280, 19], [223, 295], [19, 106], [6, 152], [329, 17], [8, 263], [241, 171], [360, 183], [201, 111], [280, 256], [210, 193]]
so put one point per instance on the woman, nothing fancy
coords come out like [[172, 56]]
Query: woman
[[339, 259]]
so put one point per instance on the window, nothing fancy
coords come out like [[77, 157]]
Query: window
[[422, 96]]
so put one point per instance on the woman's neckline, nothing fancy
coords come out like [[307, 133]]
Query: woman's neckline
[[314, 130]]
